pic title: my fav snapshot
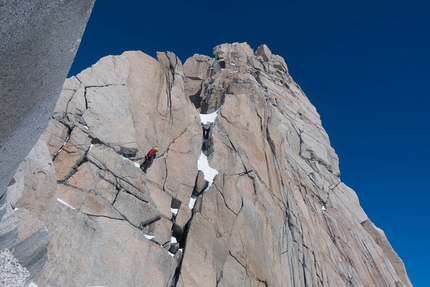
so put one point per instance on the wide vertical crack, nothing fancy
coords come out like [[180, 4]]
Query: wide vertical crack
[[183, 246], [206, 149]]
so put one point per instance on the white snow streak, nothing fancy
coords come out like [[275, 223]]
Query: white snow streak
[[149, 236], [173, 240], [192, 202], [136, 164], [65, 203]]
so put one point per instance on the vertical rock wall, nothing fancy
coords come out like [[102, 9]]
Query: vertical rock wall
[[276, 213]]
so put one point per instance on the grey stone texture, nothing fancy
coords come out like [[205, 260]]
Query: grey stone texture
[[12, 274], [277, 213], [39, 40], [8, 224], [31, 247]]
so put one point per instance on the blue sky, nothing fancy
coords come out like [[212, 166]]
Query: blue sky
[[365, 65]]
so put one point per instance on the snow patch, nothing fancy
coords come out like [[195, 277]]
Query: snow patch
[[174, 210], [203, 165], [192, 201], [149, 236], [173, 240], [136, 164], [65, 203], [209, 118], [323, 208], [91, 146]]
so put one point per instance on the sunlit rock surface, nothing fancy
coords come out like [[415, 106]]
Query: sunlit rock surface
[[267, 207]]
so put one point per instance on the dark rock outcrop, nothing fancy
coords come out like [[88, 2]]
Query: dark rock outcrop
[[39, 40], [8, 224]]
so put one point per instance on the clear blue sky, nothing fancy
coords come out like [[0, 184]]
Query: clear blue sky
[[365, 65]]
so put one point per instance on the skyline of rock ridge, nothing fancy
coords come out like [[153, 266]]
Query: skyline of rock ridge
[[276, 214]]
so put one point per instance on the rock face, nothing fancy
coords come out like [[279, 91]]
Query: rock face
[[273, 213], [108, 221], [39, 40]]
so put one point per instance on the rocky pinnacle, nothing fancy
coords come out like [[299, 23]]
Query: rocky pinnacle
[[245, 189]]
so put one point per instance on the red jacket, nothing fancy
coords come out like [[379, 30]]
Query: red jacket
[[151, 154]]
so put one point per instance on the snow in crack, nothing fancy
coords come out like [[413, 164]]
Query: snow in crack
[[209, 173], [192, 201], [174, 210], [202, 163], [65, 203], [148, 236], [209, 118]]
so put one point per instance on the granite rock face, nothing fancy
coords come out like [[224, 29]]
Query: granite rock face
[[111, 224], [269, 210], [278, 213]]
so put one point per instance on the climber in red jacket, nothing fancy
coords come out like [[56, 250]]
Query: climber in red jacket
[[149, 158]]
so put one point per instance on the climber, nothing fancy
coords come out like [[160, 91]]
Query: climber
[[149, 158]]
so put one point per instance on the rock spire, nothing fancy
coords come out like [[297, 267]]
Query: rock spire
[[247, 194]]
